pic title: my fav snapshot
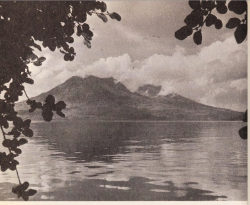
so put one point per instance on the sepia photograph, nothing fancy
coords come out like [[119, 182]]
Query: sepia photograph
[[123, 100]]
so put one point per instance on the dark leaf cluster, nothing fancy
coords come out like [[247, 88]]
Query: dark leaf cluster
[[8, 161], [22, 191], [243, 130], [24, 27], [48, 107], [202, 15]]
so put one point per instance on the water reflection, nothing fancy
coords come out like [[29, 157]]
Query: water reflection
[[154, 160]]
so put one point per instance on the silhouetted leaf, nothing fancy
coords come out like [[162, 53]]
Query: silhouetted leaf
[[37, 46], [32, 109], [183, 32], [26, 123], [50, 99], [47, 116], [82, 17], [233, 22], [4, 122], [60, 113], [7, 143], [203, 4], [17, 189], [197, 37], [28, 132], [41, 59], [79, 30], [4, 166], [103, 6], [71, 50], [31, 192], [37, 63], [210, 4], [17, 150], [238, 7], [115, 15], [240, 33], [67, 57], [14, 143], [14, 132], [243, 132], [60, 105], [211, 19], [221, 2], [12, 167], [10, 116], [32, 56], [245, 117], [38, 105], [13, 164], [29, 81], [218, 24], [29, 102], [221, 8], [18, 122], [194, 4], [192, 20], [87, 43], [25, 185], [25, 196], [103, 17], [10, 156], [85, 28], [69, 39], [22, 141], [205, 12]]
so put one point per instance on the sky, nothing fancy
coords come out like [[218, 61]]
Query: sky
[[141, 49]]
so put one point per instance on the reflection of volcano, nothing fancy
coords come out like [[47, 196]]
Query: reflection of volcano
[[105, 99], [88, 141]]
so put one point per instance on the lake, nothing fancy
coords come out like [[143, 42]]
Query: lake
[[174, 161]]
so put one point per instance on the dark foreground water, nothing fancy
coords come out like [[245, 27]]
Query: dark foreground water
[[133, 161]]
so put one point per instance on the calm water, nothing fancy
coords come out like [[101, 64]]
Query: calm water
[[133, 161]]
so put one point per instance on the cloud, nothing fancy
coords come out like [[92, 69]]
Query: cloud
[[215, 76], [239, 84], [63, 76]]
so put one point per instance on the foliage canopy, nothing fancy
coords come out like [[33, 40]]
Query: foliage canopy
[[22, 24], [202, 15]]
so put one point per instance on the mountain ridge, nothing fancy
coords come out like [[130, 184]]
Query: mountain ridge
[[106, 99]]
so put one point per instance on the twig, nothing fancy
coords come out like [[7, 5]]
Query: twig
[[11, 152], [26, 94]]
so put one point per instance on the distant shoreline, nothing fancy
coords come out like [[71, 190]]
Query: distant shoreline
[[136, 121]]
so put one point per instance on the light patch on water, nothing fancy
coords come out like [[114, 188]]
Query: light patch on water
[[47, 197], [159, 183], [115, 177], [135, 147], [115, 187], [59, 153], [159, 190], [181, 193], [133, 141], [80, 161]]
